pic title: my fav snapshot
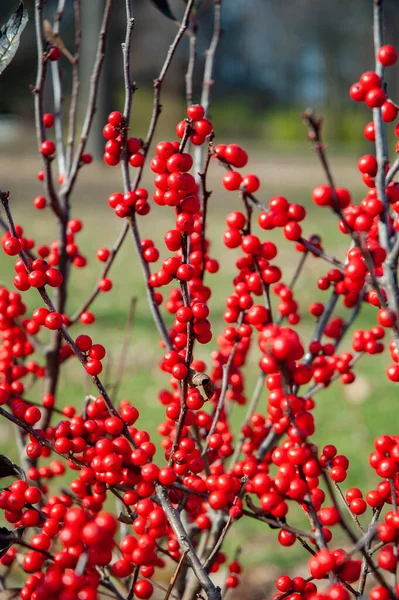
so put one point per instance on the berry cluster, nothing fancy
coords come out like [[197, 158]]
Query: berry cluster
[[114, 132]]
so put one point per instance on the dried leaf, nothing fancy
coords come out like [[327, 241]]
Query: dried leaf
[[197, 379], [123, 518], [164, 7], [8, 468], [10, 35], [209, 388], [55, 40]]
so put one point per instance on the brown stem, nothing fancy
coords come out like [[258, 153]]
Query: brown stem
[[212, 592], [225, 386], [175, 576], [208, 71], [91, 103], [39, 109], [57, 92], [157, 107], [206, 194], [188, 359], [73, 110]]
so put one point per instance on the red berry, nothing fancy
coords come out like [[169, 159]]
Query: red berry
[[143, 589], [251, 183], [203, 127], [47, 148], [232, 181], [389, 112], [54, 53], [370, 80], [48, 120], [53, 321], [115, 118], [387, 55], [94, 367], [12, 246], [375, 98], [357, 92], [195, 112]]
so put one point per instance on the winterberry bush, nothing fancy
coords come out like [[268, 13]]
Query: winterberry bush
[[181, 490]]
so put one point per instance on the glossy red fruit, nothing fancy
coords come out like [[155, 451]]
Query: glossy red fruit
[[232, 181], [115, 118], [48, 120], [375, 98], [387, 55], [195, 112], [47, 148]]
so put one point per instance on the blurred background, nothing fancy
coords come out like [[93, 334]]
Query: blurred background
[[274, 60]]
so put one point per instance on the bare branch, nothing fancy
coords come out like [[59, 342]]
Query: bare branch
[[57, 92], [107, 267], [73, 110], [212, 592], [208, 72], [125, 347], [223, 391], [39, 109], [91, 103]]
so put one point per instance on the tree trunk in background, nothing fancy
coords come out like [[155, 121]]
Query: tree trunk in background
[[92, 13]]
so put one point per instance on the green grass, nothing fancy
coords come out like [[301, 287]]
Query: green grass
[[348, 419]]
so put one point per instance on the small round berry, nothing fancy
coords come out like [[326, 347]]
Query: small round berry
[[12, 246], [370, 80], [48, 120], [115, 118], [83, 342], [87, 158], [357, 92], [143, 589], [47, 148], [203, 127], [387, 55], [53, 321], [375, 98], [54, 53], [232, 181], [94, 367], [251, 183], [195, 112], [103, 254], [40, 202]]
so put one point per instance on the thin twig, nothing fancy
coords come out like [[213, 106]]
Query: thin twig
[[364, 570], [392, 171], [75, 85], [157, 107], [91, 103], [175, 576], [125, 347], [223, 391], [208, 72], [57, 91], [192, 56], [212, 592], [39, 109], [259, 388], [107, 266]]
